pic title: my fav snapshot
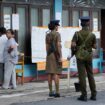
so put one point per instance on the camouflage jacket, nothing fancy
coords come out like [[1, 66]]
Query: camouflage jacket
[[80, 36]]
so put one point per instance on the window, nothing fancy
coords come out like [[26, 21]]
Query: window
[[85, 13], [95, 21], [65, 18], [22, 28], [45, 17], [7, 12], [34, 17], [75, 18]]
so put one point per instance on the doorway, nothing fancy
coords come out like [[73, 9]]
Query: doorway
[[103, 30]]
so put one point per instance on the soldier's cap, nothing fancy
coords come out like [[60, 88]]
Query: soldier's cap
[[55, 22], [85, 18]]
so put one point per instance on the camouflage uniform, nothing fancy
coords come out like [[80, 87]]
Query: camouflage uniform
[[85, 66]]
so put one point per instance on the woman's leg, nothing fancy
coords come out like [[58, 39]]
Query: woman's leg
[[56, 79], [50, 78]]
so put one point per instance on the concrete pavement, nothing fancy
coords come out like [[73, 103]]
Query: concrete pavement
[[38, 91], [67, 101]]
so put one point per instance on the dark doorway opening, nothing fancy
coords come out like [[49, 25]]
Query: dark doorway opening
[[103, 30]]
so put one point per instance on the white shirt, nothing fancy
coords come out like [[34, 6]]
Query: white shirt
[[3, 40], [13, 56]]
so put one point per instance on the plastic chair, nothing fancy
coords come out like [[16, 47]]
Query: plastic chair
[[20, 69]]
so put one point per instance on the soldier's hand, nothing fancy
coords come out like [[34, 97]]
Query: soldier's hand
[[60, 63], [60, 60], [73, 44], [94, 46]]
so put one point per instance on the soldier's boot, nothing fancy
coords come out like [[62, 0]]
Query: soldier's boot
[[82, 98], [93, 97]]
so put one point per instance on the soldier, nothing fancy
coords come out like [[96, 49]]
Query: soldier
[[84, 41], [53, 59]]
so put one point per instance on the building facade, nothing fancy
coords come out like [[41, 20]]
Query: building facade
[[40, 12]]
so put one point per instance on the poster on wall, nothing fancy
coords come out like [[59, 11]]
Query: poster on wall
[[7, 21], [95, 24], [38, 42], [38, 47], [15, 21]]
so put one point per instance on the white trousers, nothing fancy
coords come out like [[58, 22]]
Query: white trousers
[[9, 74]]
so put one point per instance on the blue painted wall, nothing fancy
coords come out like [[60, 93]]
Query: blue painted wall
[[96, 63], [58, 10], [30, 70]]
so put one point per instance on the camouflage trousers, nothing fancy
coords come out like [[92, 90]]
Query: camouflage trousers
[[85, 69]]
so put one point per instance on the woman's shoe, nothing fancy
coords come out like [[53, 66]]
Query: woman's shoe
[[57, 95], [51, 94]]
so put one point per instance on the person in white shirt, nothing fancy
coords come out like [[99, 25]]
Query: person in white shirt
[[10, 60], [3, 40]]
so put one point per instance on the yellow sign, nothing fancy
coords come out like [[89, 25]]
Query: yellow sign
[[42, 65]]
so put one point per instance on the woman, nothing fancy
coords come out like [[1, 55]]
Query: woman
[[54, 56], [10, 60]]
